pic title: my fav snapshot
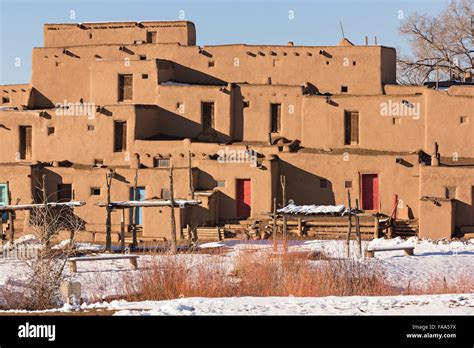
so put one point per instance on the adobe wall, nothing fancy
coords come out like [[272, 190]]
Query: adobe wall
[[14, 95], [433, 181], [304, 172], [323, 122], [444, 110], [56, 35]]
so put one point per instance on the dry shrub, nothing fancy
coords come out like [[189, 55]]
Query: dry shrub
[[257, 274], [463, 284], [170, 277], [262, 275]]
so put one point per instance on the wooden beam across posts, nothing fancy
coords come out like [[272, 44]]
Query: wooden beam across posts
[[300, 227], [376, 228], [348, 241]]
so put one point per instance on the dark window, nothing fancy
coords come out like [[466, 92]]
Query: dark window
[[344, 89], [207, 115], [5, 100], [98, 162], [90, 127], [463, 119], [51, 130], [125, 87], [323, 183], [450, 192], [142, 56], [120, 136], [25, 142], [161, 162], [95, 191], [351, 127], [151, 36], [64, 192], [348, 184], [144, 76], [276, 118], [210, 64]]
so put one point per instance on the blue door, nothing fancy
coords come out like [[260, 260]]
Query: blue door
[[4, 200], [138, 195]]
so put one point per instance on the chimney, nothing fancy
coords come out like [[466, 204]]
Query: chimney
[[366, 40], [375, 40], [291, 43], [468, 76]]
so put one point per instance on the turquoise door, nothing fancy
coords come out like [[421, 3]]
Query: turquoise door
[[4, 200], [138, 195]]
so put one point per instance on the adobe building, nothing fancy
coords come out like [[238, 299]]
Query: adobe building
[[139, 97]]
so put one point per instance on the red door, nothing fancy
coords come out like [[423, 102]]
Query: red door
[[370, 191], [243, 197]]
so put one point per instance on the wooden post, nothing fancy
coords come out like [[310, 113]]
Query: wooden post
[[135, 210], [285, 227], [348, 241], [376, 228], [191, 184], [45, 211], [108, 221], [359, 240], [122, 231], [10, 216], [300, 227], [174, 248], [275, 242]]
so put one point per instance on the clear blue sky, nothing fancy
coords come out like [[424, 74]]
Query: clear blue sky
[[217, 22]]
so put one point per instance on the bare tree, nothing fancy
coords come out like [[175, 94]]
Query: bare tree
[[40, 288], [441, 46]]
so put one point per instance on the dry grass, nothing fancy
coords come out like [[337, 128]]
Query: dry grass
[[459, 285], [258, 274]]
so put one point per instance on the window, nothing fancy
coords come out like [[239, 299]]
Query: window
[[221, 183], [161, 162], [144, 76], [142, 56], [450, 192], [50, 130], [151, 36], [125, 87], [354, 63], [210, 64], [98, 162], [463, 119], [348, 184], [275, 118], [26, 142], [351, 127], [5, 100], [165, 194], [344, 89], [246, 104], [64, 192], [276, 63], [95, 191], [90, 127], [396, 120], [207, 110], [323, 183], [120, 136]]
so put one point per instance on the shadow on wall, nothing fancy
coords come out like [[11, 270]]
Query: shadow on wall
[[171, 125], [38, 100], [184, 74], [304, 187], [464, 213]]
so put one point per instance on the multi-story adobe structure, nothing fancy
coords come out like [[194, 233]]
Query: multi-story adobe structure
[[141, 96]]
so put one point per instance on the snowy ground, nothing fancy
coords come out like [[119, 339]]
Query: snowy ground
[[433, 261]]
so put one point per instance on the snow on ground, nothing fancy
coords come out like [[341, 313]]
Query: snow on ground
[[432, 261], [355, 305]]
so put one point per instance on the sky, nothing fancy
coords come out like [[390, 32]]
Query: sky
[[304, 22]]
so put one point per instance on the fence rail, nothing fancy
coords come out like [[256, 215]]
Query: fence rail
[[20, 252]]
